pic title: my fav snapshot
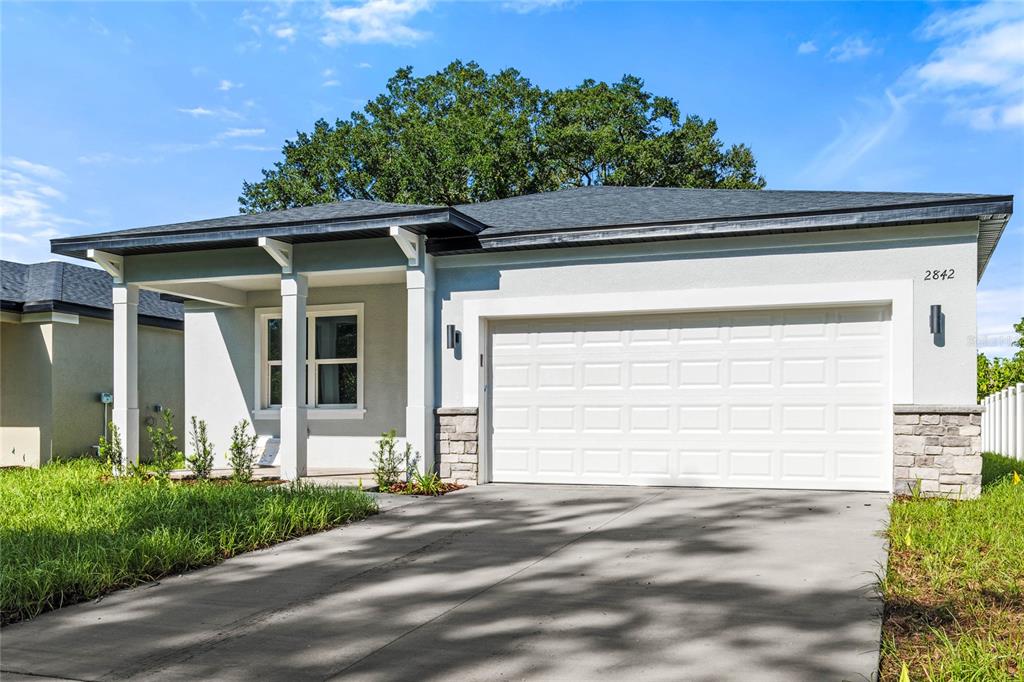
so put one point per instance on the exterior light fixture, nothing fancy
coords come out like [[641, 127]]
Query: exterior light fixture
[[935, 319], [454, 336]]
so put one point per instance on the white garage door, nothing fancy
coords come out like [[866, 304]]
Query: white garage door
[[774, 399]]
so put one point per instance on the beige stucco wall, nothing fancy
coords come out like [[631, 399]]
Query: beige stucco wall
[[25, 390], [55, 393], [221, 353]]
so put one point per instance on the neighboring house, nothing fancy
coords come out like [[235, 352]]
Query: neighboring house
[[56, 360], [605, 335]]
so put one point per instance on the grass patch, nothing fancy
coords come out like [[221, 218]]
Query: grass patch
[[954, 588], [68, 533], [995, 468]]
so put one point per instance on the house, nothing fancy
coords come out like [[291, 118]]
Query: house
[[604, 335], [56, 336]]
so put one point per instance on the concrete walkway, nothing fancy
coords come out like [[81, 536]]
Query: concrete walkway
[[508, 582]]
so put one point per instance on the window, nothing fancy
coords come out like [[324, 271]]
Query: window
[[334, 347]]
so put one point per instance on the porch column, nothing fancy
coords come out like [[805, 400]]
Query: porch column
[[126, 370], [293, 373], [419, 411]]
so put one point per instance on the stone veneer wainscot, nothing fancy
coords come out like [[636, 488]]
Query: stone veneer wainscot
[[457, 444], [938, 447]]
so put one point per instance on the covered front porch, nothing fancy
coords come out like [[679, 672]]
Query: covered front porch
[[320, 346]]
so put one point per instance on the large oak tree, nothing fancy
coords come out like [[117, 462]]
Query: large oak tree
[[462, 135]]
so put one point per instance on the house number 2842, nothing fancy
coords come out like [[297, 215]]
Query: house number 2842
[[939, 274]]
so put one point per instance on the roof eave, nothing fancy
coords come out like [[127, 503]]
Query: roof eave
[[993, 215], [158, 241]]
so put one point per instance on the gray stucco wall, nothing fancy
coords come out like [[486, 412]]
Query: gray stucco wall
[[943, 373], [83, 368], [221, 366], [25, 390], [60, 396]]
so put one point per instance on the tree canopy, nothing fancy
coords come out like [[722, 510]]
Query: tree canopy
[[462, 135], [998, 373]]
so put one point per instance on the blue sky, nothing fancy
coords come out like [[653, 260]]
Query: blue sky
[[127, 114]]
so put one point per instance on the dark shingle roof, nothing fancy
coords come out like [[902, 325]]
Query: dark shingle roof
[[41, 284], [339, 210], [606, 206]]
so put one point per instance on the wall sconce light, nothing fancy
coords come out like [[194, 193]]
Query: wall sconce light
[[454, 336], [935, 319]]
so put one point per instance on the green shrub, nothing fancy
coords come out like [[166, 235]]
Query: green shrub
[[201, 461], [388, 464], [242, 452], [164, 440], [111, 453]]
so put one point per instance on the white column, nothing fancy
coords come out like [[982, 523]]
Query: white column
[[419, 410], [126, 369], [294, 288], [986, 424]]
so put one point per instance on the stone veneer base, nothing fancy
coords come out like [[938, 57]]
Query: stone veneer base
[[457, 444], [937, 447]]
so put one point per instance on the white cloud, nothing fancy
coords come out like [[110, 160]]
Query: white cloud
[[526, 6], [285, 33], [203, 112], [806, 47], [978, 66], [850, 49], [36, 169], [364, 65], [329, 80], [106, 158], [226, 85], [29, 211], [373, 21], [197, 111], [857, 137], [998, 310], [254, 148], [242, 132]]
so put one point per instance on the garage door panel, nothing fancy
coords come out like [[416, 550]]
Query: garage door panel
[[787, 398]]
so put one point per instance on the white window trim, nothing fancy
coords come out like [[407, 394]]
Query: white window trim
[[261, 384]]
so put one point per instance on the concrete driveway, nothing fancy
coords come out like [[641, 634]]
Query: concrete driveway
[[509, 582]]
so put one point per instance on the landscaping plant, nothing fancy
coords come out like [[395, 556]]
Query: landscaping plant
[[163, 440], [386, 463], [201, 461], [70, 532], [111, 453], [242, 452]]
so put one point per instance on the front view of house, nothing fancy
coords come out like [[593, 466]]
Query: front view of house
[[606, 335]]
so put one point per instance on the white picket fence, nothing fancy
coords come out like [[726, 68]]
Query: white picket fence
[[1002, 423]]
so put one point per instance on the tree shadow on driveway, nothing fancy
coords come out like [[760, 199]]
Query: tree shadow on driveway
[[519, 582]]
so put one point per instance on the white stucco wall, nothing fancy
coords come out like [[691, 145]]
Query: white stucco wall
[[943, 370], [221, 356]]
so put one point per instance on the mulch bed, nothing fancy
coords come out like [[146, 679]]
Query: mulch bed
[[413, 489]]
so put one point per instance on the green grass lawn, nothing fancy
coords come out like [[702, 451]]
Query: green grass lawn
[[69, 533], [954, 588]]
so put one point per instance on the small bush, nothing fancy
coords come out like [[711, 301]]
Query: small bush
[[387, 463], [164, 440], [201, 461], [111, 452], [242, 452]]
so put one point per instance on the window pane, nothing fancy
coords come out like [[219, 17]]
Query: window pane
[[336, 384], [274, 339], [275, 384], [336, 337]]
